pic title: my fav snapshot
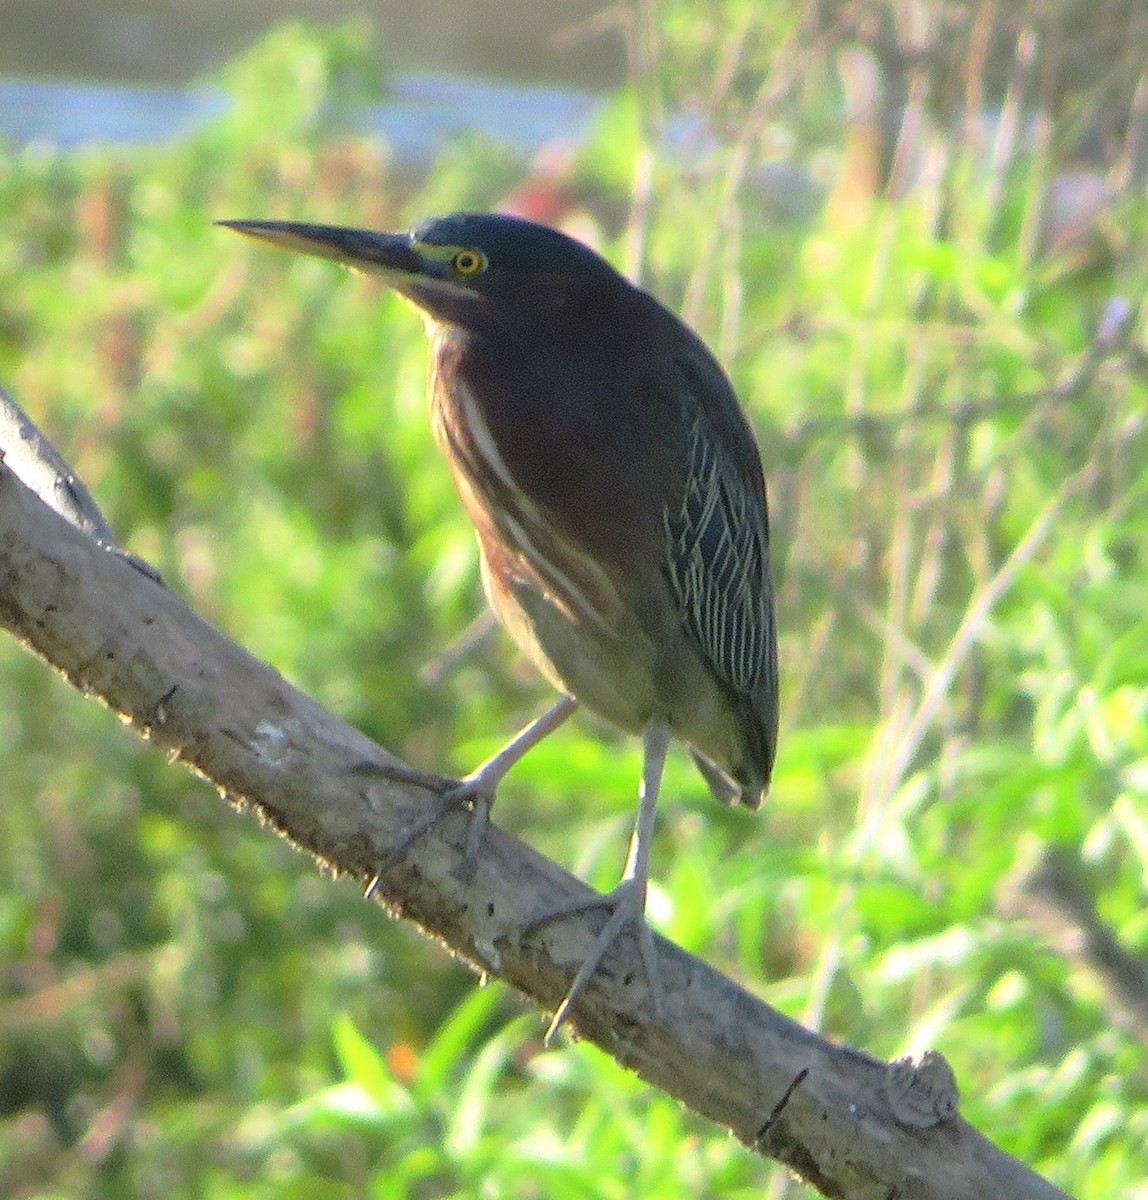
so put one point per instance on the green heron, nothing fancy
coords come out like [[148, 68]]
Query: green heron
[[618, 497]]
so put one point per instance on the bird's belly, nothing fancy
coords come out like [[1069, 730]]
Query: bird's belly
[[611, 675], [627, 673]]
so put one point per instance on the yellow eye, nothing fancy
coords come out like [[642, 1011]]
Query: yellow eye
[[469, 262]]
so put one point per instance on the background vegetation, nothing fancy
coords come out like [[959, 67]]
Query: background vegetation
[[946, 371]]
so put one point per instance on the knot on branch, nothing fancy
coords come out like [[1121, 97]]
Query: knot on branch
[[922, 1092]]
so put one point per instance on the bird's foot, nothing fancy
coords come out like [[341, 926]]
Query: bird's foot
[[476, 793], [626, 905]]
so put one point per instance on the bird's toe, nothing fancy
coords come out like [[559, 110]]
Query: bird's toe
[[473, 793], [626, 905]]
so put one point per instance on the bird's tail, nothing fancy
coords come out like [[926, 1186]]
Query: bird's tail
[[723, 788]]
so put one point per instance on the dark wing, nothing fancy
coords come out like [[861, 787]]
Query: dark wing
[[718, 553]]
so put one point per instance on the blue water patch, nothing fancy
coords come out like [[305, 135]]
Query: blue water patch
[[71, 114], [422, 111]]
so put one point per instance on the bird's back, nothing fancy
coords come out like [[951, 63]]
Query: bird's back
[[717, 555]]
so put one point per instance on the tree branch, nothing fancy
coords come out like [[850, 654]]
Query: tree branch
[[1049, 890], [848, 1123]]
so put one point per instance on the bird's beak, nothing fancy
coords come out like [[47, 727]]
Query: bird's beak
[[389, 255]]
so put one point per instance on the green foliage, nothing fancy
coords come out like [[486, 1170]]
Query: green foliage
[[189, 1009]]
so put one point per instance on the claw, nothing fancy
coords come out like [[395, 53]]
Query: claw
[[475, 792], [627, 905], [471, 793]]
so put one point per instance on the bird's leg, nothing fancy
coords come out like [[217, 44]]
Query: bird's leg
[[476, 791], [627, 902]]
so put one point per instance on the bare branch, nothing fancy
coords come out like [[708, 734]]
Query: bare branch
[[1049, 891], [826, 1111], [42, 468]]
